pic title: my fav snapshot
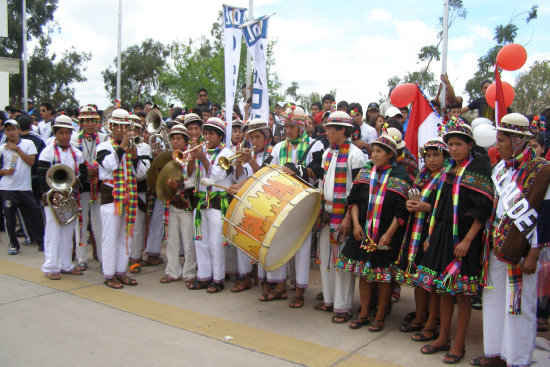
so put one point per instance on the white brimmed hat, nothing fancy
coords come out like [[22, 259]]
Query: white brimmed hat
[[255, 125], [515, 123], [457, 126], [396, 134], [119, 116], [339, 118], [216, 123], [88, 112], [192, 117], [63, 121], [386, 141], [178, 129]]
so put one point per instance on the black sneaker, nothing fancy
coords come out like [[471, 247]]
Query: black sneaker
[[477, 304], [13, 249]]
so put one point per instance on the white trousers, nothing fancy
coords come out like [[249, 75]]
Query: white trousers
[[210, 250], [302, 262], [510, 337], [58, 244], [138, 239], [231, 260], [338, 286], [180, 227], [115, 256], [89, 213], [156, 230]]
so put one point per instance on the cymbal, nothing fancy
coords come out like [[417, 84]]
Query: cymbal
[[173, 171], [153, 173]]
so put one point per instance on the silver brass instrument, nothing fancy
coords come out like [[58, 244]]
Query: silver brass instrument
[[135, 141], [60, 178], [155, 126], [105, 120]]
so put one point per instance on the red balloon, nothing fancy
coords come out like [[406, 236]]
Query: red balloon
[[507, 89], [511, 57], [403, 94]]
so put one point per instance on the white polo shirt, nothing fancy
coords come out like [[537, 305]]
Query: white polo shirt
[[21, 178]]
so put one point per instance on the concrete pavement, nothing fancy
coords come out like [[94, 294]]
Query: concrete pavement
[[79, 321]]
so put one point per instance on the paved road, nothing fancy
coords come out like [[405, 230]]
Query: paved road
[[77, 321]]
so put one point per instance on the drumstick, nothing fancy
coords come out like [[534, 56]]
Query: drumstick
[[208, 182]]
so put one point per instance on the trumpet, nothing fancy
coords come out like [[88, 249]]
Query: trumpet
[[227, 162], [135, 141], [182, 157]]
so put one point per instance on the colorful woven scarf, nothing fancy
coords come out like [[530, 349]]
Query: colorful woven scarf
[[515, 279], [285, 154], [377, 193], [94, 181], [339, 191], [454, 266], [419, 217], [198, 164], [125, 191]]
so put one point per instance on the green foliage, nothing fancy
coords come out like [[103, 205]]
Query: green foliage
[[504, 34], [141, 66], [532, 88]]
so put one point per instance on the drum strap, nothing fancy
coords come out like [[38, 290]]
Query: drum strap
[[202, 201]]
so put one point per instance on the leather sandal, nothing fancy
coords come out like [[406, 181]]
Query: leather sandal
[[73, 271], [430, 349], [359, 323], [450, 358], [113, 283], [421, 337], [196, 284], [297, 302], [411, 326], [126, 280], [168, 279], [377, 325], [242, 284], [52, 276], [341, 317], [215, 287], [322, 307], [274, 295]]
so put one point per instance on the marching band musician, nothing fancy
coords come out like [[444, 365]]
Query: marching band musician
[[58, 238], [341, 163], [87, 141], [211, 207], [180, 220], [138, 239], [119, 170], [300, 156]]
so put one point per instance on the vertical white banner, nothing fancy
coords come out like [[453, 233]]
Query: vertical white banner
[[232, 18], [255, 36]]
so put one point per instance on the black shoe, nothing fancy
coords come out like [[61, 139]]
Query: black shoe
[[477, 304], [19, 233], [41, 246], [13, 249]]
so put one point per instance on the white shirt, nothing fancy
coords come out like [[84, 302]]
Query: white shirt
[[88, 147], [356, 159], [21, 178], [368, 133], [45, 129], [111, 162], [216, 173], [65, 156]]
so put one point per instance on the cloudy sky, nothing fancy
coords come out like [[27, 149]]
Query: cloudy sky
[[353, 45]]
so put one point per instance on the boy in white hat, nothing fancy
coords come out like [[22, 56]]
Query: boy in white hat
[[58, 238], [341, 162], [119, 169]]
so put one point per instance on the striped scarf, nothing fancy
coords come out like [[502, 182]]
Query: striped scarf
[[453, 269], [339, 190], [377, 193], [125, 192], [94, 182], [419, 217], [515, 279], [285, 154]]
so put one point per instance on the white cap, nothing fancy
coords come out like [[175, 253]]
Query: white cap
[[393, 111]]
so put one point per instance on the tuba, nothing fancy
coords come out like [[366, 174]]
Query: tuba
[[155, 126], [105, 119], [60, 178]]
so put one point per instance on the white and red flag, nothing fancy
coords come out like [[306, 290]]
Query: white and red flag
[[423, 123]]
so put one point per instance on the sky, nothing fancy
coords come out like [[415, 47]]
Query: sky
[[352, 46]]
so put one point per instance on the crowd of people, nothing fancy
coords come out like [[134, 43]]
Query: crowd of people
[[453, 220]]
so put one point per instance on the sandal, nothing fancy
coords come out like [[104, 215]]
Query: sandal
[[430, 349], [274, 295], [542, 326], [113, 283], [376, 326], [319, 296], [126, 280], [297, 302], [73, 271], [359, 323], [421, 337], [198, 285], [82, 266], [152, 261], [453, 358], [135, 267], [411, 326], [168, 279], [215, 287], [52, 276], [489, 362], [242, 285], [410, 316], [322, 307], [341, 317]]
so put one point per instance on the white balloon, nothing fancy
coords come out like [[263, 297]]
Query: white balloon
[[485, 135], [479, 121]]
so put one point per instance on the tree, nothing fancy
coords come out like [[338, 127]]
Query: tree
[[504, 34], [141, 67], [424, 77], [50, 79], [533, 89], [200, 64]]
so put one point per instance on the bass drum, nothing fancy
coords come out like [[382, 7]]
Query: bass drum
[[271, 216]]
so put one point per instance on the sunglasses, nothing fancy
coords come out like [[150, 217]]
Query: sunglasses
[[202, 95]]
